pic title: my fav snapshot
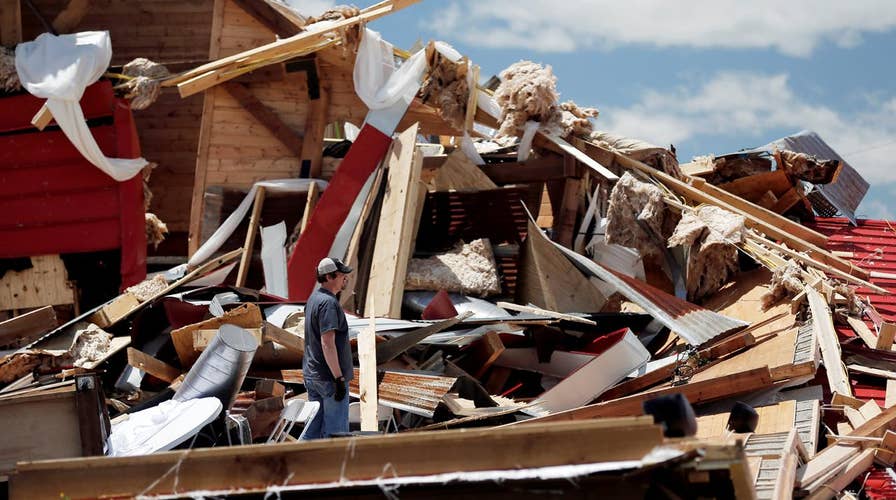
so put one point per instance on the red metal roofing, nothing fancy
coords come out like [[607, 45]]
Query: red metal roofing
[[873, 247]]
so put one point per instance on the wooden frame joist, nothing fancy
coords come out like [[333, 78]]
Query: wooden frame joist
[[266, 116], [306, 42], [271, 18], [695, 392], [331, 461]]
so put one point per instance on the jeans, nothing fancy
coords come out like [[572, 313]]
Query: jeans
[[332, 418]]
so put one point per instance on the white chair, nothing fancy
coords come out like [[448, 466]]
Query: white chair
[[296, 410], [383, 414]]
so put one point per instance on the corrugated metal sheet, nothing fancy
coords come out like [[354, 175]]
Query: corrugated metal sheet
[[846, 192], [691, 322], [416, 393]]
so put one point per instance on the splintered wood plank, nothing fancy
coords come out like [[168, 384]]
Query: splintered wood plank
[[411, 454], [753, 186], [696, 392], [367, 376], [392, 249], [245, 316], [159, 369], [491, 349], [861, 329], [28, 327], [773, 418], [458, 173], [550, 281], [830, 346], [891, 394], [251, 233], [885, 336], [568, 212]]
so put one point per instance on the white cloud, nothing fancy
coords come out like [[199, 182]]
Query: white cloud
[[748, 107], [309, 8], [793, 27]]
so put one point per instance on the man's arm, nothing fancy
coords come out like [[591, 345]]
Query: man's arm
[[331, 355]]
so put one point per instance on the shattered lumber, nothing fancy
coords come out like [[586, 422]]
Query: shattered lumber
[[26, 328], [695, 392], [227, 68], [247, 469]]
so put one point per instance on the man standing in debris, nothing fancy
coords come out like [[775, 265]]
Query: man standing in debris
[[327, 364]]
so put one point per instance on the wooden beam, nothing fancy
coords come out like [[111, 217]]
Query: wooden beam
[[664, 373], [565, 223], [70, 17], [283, 337], [695, 392], [367, 376], [310, 203], [266, 116], [26, 328], [392, 249], [313, 142], [216, 72], [827, 340], [10, 22], [268, 16], [885, 336], [458, 173], [251, 232], [249, 470], [207, 124], [862, 331], [159, 369]]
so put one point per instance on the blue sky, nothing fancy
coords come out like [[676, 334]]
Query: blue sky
[[710, 77]]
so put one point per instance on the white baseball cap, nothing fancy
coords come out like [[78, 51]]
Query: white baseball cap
[[329, 265]]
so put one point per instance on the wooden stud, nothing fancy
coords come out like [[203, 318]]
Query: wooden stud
[[310, 203], [890, 394], [565, 223], [885, 336], [491, 349], [266, 116], [862, 331], [367, 375], [313, 141], [830, 346], [392, 249], [696, 392], [544, 312], [159, 369], [391, 349], [207, 124], [283, 337], [21, 330], [10, 23], [113, 311], [251, 232]]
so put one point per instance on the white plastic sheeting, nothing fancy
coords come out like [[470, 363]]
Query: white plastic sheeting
[[377, 82], [273, 259], [58, 69], [230, 224]]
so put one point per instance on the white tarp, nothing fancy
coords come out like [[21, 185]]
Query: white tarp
[[58, 69]]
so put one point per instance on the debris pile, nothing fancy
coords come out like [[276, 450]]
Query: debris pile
[[503, 315]]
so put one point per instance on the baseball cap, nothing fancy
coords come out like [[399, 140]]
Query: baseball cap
[[331, 265]]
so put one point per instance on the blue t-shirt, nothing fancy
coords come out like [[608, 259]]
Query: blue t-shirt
[[322, 314]]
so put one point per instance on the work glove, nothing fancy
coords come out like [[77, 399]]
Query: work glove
[[340, 389]]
